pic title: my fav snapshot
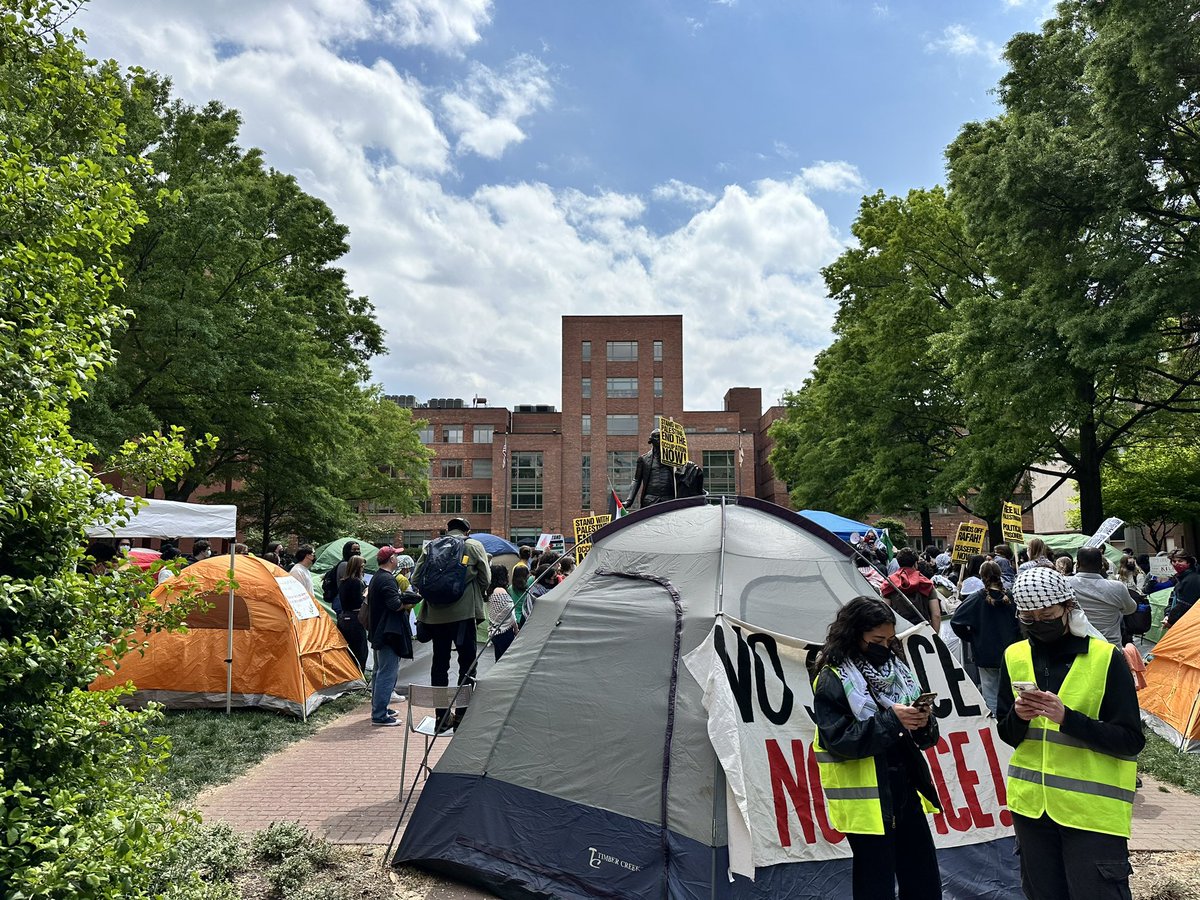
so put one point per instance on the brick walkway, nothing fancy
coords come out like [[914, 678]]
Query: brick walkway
[[343, 782], [1165, 817]]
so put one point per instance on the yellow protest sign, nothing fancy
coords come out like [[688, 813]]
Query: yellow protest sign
[[672, 443], [1010, 521], [968, 541], [584, 529]]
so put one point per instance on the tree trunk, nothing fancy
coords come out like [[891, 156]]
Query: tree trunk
[[926, 528], [266, 520], [995, 534], [1087, 475]]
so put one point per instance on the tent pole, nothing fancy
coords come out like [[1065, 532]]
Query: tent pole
[[721, 564], [229, 644]]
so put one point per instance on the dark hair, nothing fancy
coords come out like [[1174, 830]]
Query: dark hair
[[1022, 555], [856, 618], [525, 552], [271, 556], [906, 558], [974, 562], [347, 552], [302, 551], [1088, 559], [1143, 562], [499, 576], [931, 551], [566, 565], [169, 551], [102, 553], [1003, 550], [520, 579], [992, 578], [240, 549]]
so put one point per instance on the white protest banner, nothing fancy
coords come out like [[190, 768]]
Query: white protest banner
[[302, 604], [1106, 530], [1010, 523], [1162, 567], [672, 443], [968, 541], [759, 700]]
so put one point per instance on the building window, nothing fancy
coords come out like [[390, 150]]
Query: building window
[[585, 388], [526, 475], [621, 387], [621, 464], [452, 468], [481, 503], [484, 434], [719, 474], [414, 539], [452, 434], [451, 503], [585, 480], [658, 387], [481, 468], [427, 507], [622, 424], [658, 351], [425, 433], [525, 535], [622, 351], [585, 424], [585, 353], [375, 509]]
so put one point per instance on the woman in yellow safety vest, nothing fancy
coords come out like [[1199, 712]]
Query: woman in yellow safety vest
[[870, 733], [1067, 703]]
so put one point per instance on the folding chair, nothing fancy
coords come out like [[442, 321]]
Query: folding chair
[[430, 698]]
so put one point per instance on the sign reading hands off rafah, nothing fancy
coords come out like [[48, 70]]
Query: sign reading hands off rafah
[[760, 723], [968, 541], [672, 443]]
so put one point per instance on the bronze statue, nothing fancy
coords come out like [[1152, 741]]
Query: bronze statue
[[658, 482]]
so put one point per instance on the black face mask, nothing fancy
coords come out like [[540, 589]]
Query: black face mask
[[1046, 632], [877, 654]]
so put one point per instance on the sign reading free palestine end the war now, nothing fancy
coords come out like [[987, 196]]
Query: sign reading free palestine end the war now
[[758, 699]]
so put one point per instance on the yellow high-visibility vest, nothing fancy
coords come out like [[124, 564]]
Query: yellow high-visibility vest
[[1059, 775], [851, 788]]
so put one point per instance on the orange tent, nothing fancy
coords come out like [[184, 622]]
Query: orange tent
[[1171, 699], [287, 652]]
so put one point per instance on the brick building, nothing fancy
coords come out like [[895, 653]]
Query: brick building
[[531, 469]]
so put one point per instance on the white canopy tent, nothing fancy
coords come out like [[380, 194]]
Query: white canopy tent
[[149, 518]]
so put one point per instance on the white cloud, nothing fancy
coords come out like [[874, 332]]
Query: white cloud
[[485, 110], [676, 191], [470, 286], [958, 40]]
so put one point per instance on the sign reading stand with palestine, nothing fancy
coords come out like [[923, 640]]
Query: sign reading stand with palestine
[[584, 529], [1010, 522], [968, 541], [672, 443]]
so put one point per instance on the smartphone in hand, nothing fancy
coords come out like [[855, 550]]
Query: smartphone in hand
[[1024, 686], [925, 701]]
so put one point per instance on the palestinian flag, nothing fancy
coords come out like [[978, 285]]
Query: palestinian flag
[[616, 508]]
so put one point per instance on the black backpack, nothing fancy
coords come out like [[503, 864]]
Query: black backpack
[[442, 577], [329, 586]]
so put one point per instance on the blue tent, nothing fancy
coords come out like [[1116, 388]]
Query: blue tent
[[839, 525], [494, 545]]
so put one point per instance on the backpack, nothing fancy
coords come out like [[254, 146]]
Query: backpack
[[329, 587], [442, 577]]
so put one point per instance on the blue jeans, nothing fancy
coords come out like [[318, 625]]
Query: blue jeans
[[387, 666]]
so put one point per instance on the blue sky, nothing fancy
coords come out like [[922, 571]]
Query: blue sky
[[500, 164]]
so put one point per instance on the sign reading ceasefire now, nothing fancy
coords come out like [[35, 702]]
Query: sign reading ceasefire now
[[584, 529], [1010, 522], [968, 541], [672, 443]]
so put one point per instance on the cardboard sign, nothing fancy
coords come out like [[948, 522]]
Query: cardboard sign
[[672, 443], [584, 529], [1010, 521], [1162, 567], [968, 541], [1106, 530], [302, 604], [757, 696]]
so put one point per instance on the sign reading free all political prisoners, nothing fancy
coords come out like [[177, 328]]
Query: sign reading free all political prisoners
[[759, 701]]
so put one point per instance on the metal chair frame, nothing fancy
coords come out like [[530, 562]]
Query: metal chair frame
[[426, 696]]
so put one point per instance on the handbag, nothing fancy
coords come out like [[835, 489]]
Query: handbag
[[364, 615]]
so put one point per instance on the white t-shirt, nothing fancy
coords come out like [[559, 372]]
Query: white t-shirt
[[301, 574]]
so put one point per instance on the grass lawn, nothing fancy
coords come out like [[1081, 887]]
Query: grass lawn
[[1165, 763], [210, 748]]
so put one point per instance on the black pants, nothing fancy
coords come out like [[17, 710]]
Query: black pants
[[461, 636], [355, 635], [501, 642], [904, 854], [1060, 863]]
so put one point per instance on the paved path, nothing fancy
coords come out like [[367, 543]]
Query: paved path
[[1165, 817]]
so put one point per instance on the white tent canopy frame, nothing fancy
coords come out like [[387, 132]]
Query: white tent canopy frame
[[150, 518]]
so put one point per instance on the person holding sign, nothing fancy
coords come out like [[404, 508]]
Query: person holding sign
[[1068, 706], [872, 723]]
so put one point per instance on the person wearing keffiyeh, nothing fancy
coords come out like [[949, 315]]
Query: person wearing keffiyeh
[[870, 735]]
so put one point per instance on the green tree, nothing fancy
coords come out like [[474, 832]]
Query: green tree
[[1155, 484], [76, 818], [1083, 196], [244, 328], [878, 426]]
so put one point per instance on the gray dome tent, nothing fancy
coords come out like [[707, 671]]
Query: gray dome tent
[[584, 767]]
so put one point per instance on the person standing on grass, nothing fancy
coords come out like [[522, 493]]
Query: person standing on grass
[[389, 633]]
